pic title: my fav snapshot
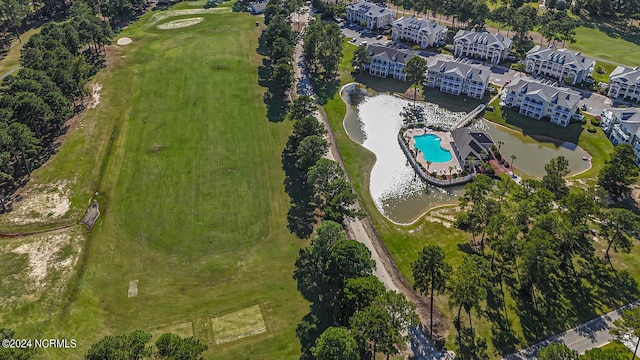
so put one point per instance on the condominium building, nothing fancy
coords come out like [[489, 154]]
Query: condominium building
[[541, 99], [625, 83], [386, 61], [483, 45], [421, 31], [454, 77], [623, 126], [373, 15], [561, 64]]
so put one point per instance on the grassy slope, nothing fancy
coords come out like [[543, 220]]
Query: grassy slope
[[192, 199]]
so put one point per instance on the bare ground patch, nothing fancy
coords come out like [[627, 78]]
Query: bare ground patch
[[95, 95], [238, 325], [40, 203], [37, 265], [182, 23], [183, 329]]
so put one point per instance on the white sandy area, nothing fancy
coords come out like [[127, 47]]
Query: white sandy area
[[124, 41], [182, 23], [162, 15], [40, 204]]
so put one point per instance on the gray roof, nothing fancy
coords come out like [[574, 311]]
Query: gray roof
[[258, 6], [397, 55], [629, 118], [463, 70], [370, 8], [561, 56], [550, 93], [471, 143], [483, 37], [423, 24], [625, 75]]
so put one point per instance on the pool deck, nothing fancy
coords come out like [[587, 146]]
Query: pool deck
[[439, 167]]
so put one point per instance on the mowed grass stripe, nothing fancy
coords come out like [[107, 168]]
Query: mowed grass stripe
[[194, 202]]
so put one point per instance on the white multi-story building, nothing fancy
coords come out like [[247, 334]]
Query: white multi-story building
[[375, 16], [421, 31], [386, 61], [457, 78], [561, 64], [623, 126], [483, 45], [624, 83], [540, 100]]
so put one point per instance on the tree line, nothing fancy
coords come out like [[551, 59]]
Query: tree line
[[351, 316], [536, 241], [39, 98]]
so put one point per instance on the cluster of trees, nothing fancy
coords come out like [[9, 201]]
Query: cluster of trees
[[628, 324], [135, 346], [352, 315], [35, 103], [323, 49], [626, 9], [278, 38], [619, 172], [540, 237], [14, 353], [317, 186]]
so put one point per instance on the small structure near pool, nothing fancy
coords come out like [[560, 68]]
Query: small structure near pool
[[444, 158]]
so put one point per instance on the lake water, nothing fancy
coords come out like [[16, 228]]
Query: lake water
[[374, 121]]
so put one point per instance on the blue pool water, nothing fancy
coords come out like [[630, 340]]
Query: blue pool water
[[429, 145]]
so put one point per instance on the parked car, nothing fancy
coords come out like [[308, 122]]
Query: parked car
[[379, 37]]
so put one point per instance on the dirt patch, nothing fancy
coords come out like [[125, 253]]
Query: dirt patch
[[48, 252], [182, 23], [133, 288], [239, 324], [40, 204], [124, 41], [95, 95]]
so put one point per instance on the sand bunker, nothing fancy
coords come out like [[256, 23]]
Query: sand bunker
[[161, 15], [124, 41], [182, 23]]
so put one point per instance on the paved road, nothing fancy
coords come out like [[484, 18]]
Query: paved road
[[589, 335]]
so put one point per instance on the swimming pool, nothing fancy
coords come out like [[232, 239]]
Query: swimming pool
[[429, 145]]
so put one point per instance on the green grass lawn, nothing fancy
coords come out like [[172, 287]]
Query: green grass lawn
[[12, 58], [192, 201], [613, 46], [596, 144], [606, 67], [616, 345]]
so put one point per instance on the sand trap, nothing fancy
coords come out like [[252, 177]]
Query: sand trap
[[161, 15], [124, 41], [239, 324], [182, 23]]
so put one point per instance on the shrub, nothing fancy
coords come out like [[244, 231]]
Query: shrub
[[595, 122], [591, 129], [434, 174], [416, 47], [489, 108]]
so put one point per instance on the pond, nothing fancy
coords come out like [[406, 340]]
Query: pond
[[374, 121]]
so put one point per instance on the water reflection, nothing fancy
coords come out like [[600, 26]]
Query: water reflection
[[374, 122]]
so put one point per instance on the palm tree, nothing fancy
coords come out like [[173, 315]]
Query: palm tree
[[428, 165], [450, 170], [500, 143], [513, 158]]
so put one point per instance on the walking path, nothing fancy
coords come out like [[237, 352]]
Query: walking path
[[363, 231], [11, 71], [589, 335]]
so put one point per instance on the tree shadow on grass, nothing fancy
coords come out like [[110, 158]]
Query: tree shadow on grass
[[311, 327], [502, 336], [469, 347]]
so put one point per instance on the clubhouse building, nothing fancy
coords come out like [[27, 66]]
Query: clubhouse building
[[540, 99]]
